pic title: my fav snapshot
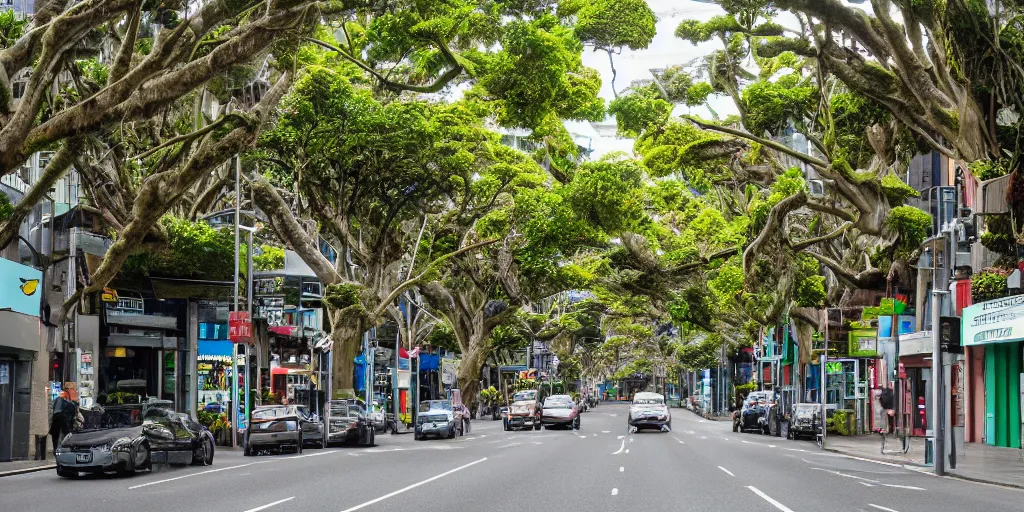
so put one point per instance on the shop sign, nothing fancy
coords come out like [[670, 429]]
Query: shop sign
[[995, 321], [109, 295], [19, 288], [239, 327]]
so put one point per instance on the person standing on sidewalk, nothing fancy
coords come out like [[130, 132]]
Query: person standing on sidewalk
[[885, 400], [63, 414]]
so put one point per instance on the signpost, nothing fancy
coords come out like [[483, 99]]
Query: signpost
[[239, 327]]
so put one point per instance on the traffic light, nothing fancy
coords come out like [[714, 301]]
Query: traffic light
[[949, 335]]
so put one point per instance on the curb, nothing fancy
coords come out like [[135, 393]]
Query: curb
[[906, 462], [32, 469]]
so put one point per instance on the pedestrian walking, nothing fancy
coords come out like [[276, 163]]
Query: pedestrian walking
[[63, 416], [885, 400]]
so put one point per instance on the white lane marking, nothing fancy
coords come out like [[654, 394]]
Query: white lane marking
[[469, 438], [726, 471], [615, 491], [744, 441], [317, 454], [772, 446], [874, 461], [622, 469], [536, 442], [147, 484], [847, 476], [415, 485], [726, 438], [680, 441], [621, 437], [703, 437], [510, 445], [769, 499], [623, 447], [865, 484], [268, 505], [627, 450], [879, 507], [483, 436], [689, 432], [631, 439], [606, 431], [910, 487]]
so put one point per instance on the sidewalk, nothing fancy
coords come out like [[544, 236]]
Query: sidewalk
[[974, 461], [18, 467]]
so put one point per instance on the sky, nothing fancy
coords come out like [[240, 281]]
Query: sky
[[666, 50]]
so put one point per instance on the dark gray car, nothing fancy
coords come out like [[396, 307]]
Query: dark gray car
[[273, 427]]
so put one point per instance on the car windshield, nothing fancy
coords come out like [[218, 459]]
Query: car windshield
[[557, 403], [427, 405], [524, 395], [806, 411], [345, 408], [112, 417]]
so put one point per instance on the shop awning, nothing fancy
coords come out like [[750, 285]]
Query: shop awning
[[141, 341]]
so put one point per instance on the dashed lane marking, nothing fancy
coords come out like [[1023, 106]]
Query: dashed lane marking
[[615, 492], [413, 486], [879, 507], [621, 448], [726, 471], [622, 469], [268, 505], [769, 499]]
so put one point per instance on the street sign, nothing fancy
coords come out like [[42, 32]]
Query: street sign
[[109, 295], [239, 327]]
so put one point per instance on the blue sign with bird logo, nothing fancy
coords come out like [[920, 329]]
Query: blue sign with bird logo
[[20, 288]]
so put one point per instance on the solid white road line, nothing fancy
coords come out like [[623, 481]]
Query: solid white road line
[[910, 487], [874, 461], [615, 491], [623, 447], [415, 485], [268, 505], [606, 431], [847, 476], [147, 484], [769, 499], [879, 507], [865, 484], [622, 469], [726, 471]]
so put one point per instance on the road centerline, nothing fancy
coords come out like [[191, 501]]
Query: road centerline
[[769, 499], [268, 505], [413, 486]]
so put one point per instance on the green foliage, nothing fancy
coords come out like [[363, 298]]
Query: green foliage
[[270, 258], [896, 191], [614, 24], [841, 422], [988, 169], [700, 355], [989, 284], [194, 250], [999, 235], [642, 109], [810, 285], [772, 106], [6, 209], [443, 336], [341, 296], [852, 115], [697, 32], [12, 27], [911, 224], [680, 149]]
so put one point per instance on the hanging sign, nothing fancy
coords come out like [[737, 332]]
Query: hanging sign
[[239, 327], [109, 295]]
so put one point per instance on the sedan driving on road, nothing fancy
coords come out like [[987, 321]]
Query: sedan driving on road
[[648, 410], [560, 411], [347, 422], [130, 438]]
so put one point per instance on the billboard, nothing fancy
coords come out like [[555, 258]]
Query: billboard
[[20, 288]]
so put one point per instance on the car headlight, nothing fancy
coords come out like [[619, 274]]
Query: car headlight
[[121, 444]]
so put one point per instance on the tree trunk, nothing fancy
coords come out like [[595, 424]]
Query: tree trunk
[[469, 371], [347, 336]]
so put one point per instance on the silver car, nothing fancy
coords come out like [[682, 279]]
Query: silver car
[[435, 418], [273, 427], [648, 410]]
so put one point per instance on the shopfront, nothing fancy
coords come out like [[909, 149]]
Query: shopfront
[[998, 328], [20, 340]]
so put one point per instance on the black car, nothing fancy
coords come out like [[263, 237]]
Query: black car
[[347, 422], [129, 438], [752, 416]]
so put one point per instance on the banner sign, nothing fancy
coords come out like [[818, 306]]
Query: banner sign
[[995, 321], [19, 288], [239, 327]]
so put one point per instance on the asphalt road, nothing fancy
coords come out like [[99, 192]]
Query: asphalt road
[[700, 465]]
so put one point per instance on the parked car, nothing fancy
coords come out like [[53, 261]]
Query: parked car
[[273, 427], [347, 422], [749, 417], [649, 410], [129, 438], [560, 411], [805, 421], [313, 431], [435, 418], [378, 418], [524, 411]]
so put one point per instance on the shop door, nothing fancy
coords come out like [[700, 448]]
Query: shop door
[[6, 408], [919, 399]]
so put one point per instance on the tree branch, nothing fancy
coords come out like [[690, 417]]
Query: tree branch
[[821, 165], [803, 244]]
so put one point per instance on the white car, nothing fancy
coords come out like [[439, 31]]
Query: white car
[[648, 410]]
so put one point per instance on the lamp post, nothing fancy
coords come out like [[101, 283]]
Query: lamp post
[[938, 400]]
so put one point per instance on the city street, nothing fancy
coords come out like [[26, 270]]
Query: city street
[[701, 465]]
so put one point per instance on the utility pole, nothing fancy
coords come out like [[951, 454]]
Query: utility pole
[[823, 386], [234, 346], [938, 422]]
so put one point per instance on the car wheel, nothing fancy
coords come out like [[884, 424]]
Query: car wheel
[[373, 435], [536, 426], [203, 454], [735, 427], [147, 461], [248, 451], [576, 423], [64, 472]]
